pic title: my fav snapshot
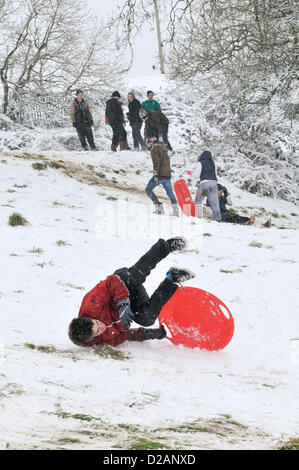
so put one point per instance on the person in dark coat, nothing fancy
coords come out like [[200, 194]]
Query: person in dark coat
[[116, 120], [161, 175], [108, 310], [206, 171], [82, 120], [156, 126], [135, 121], [230, 216]]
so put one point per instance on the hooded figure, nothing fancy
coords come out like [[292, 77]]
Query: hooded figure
[[206, 171]]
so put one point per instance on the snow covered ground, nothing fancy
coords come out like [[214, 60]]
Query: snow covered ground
[[88, 215]]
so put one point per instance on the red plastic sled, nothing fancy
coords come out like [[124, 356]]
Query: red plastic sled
[[197, 319], [184, 198]]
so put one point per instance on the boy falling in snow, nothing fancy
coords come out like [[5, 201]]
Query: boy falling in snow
[[108, 310]]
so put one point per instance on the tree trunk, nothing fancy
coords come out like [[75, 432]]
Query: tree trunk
[[160, 50]]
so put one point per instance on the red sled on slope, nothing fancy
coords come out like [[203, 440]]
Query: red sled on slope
[[184, 198], [196, 318]]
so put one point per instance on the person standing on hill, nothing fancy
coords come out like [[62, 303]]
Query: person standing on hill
[[135, 121], [150, 105], [82, 120], [206, 171], [156, 126], [161, 175], [115, 116]]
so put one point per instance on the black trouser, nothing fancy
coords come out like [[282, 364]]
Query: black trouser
[[147, 308], [119, 133], [229, 216], [84, 132], [137, 138]]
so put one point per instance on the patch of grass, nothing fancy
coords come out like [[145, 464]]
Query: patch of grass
[[230, 271], [291, 444], [106, 351], [57, 203], [82, 417], [141, 443], [39, 166], [20, 186], [100, 175], [41, 265], [55, 165], [207, 234], [36, 251], [3, 161], [111, 198], [11, 191], [90, 167], [69, 440], [62, 243], [293, 214], [17, 219], [138, 172], [44, 349], [255, 244]]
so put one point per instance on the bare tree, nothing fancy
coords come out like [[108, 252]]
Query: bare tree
[[52, 45]]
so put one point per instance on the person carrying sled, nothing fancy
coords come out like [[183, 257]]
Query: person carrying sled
[[135, 121], [115, 117], [108, 310], [156, 125], [229, 216], [161, 175], [82, 120], [206, 171]]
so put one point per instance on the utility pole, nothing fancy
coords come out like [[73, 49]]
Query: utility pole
[[160, 49]]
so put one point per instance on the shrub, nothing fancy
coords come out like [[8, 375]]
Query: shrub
[[17, 219]]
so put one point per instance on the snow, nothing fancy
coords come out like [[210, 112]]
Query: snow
[[78, 233]]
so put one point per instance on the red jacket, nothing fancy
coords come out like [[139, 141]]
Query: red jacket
[[100, 304]]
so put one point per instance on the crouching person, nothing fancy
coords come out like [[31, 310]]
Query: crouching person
[[108, 310]]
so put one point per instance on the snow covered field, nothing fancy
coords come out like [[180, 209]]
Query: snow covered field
[[88, 215]]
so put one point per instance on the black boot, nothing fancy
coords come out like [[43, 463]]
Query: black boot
[[155, 333], [176, 243], [178, 275]]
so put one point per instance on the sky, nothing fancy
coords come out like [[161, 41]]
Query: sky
[[145, 46]]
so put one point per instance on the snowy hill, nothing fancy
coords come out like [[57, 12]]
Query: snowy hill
[[88, 215]]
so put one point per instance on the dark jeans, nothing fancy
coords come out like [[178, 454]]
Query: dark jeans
[[119, 133], [137, 138], [84, 132], [147, 308], [166, 183], [229, 216]]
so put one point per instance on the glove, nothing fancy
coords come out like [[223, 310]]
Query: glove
[[126, 315], [160, 139], [74, 124], [225, 192], [189, 172], [155, 333]]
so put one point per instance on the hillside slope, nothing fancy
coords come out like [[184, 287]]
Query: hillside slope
[[88, 215]]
